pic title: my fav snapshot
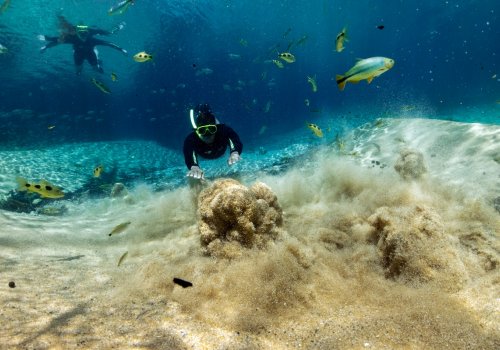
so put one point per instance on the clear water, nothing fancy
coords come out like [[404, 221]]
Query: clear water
[[445, 53], [325, 283]]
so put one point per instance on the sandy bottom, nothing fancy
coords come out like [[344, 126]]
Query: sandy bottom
[[60, 303], [365, 259]]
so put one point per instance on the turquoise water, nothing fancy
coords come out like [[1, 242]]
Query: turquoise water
[[222, 53]]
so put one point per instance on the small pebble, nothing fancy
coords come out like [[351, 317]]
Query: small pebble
[[12, 284]]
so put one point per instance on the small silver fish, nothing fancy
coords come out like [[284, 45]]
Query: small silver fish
[[119, 228], [120, 7], [122, 258]]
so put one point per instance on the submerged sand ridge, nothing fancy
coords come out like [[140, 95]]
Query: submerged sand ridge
[[463, 154], [365, 258]]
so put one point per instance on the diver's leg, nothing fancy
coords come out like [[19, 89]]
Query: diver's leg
[[93, 59], [78, 58], [51, 41]]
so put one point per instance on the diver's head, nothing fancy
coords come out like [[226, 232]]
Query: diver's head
[[206, 124], [82, 32]]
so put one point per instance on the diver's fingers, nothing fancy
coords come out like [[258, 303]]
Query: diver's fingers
[[199, 174], [233, 158], [196, 174]]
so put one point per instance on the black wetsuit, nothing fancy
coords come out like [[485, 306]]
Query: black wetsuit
[[84, 50], [225, 136]]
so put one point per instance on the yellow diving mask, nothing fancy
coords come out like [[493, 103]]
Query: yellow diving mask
[[206, 130], [82, 32]]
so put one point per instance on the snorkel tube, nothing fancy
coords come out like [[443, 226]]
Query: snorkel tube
[[191, 116]]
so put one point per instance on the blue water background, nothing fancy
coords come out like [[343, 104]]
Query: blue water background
[[446, 54]]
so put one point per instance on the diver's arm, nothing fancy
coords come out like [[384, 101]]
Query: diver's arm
[[190, 157], [107, 43], [191, 160], [234, 141], [235, 146], [97, 31]]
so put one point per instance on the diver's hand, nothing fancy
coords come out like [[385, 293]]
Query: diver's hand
[[196, 173], [234, 157]]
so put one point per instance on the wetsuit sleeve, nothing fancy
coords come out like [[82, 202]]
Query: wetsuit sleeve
[[107, 43], [234, 141], [189, 154]]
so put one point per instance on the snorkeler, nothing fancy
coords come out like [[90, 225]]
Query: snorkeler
[[83, 41], [209, 139]]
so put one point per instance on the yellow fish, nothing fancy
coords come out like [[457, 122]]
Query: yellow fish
[[243, 42], [98, 170], [287, 57], [315, 129], [114, 77], [366, 69], [100, 85], [119, 228], [278, 63], [312, 81], [44, 188], [142, 57], [340, 39]]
